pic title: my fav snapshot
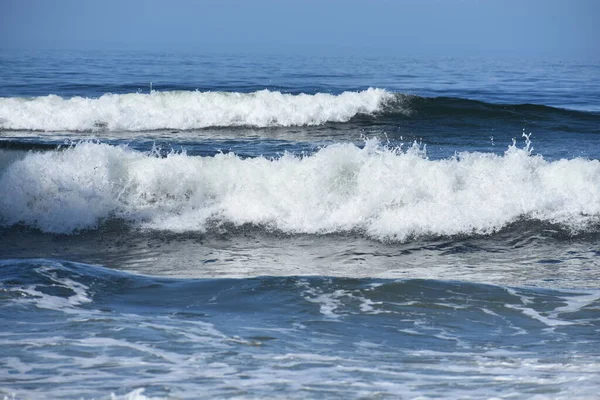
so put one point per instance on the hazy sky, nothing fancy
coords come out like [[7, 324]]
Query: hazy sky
[[401, 27]]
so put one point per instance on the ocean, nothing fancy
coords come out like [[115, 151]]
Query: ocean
[[178, 225]]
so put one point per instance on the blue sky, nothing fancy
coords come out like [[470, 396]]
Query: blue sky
[[401, 27]]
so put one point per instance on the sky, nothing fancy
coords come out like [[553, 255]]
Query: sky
[[562, 28]]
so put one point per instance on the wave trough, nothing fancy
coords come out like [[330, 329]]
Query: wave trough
[[389, 194]]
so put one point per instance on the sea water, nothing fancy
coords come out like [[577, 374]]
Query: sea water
[[179, 225]]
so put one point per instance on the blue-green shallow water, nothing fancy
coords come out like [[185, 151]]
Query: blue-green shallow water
[[298, 227]]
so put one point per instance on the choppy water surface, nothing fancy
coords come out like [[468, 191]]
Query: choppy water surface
[[268, 227]]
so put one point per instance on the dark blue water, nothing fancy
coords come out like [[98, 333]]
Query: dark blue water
[[218, 225]]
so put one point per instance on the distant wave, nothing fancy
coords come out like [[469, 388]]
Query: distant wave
[[187, 110], [388, 194]]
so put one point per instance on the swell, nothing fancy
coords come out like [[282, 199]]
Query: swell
[[383, 193], [189, 110], [449, 107], [287, 330], [80, 284]]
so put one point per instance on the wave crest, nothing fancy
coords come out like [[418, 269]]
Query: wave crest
[[186, 110], [389, 194]]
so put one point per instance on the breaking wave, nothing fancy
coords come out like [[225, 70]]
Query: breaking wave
[[189, 110], [386, 193], [185, 110]]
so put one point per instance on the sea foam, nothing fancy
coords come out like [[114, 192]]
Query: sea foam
[[185, 110], [389, 194]]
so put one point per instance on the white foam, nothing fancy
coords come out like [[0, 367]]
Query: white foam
[[386, 193], [36, 295], [552, 318], [328, 303], [576, 302], [185, 110], [136, 394]]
